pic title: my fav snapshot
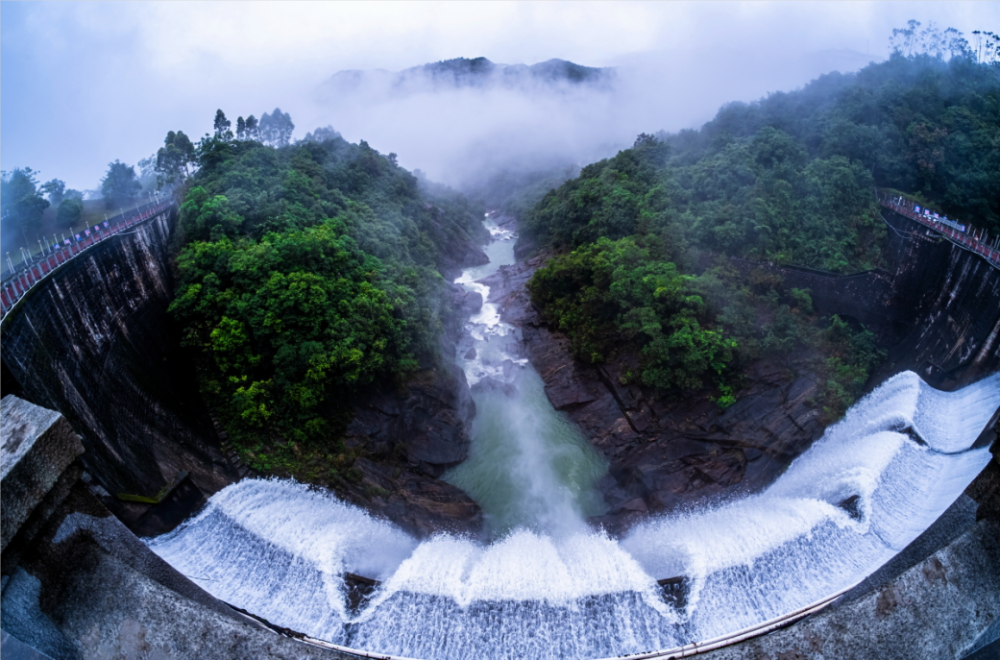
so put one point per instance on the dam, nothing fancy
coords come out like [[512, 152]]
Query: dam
[[544, 584]]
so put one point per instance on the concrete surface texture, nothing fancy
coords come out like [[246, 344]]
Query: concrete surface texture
[[36, 446]]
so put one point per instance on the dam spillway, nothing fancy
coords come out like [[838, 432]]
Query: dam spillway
[[900, 457], [279, 550]]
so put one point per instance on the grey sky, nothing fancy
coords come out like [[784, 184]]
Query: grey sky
[[86, 83]]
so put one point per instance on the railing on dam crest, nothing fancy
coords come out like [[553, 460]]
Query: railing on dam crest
[[18, 282], [976, 241]]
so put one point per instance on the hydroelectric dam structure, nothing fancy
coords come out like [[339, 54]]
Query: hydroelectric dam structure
[[882, 540]]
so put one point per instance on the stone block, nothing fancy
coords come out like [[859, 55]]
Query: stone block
[[36, 447]]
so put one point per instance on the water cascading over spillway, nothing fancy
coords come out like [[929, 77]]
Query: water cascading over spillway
[[547, 585]]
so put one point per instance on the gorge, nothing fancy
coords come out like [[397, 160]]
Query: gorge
[[899, 459], [257, 543]]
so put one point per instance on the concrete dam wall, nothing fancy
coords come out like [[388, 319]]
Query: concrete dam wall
[[94, 342], [933, 304]]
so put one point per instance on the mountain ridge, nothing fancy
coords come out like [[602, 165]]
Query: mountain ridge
[[477, 72]]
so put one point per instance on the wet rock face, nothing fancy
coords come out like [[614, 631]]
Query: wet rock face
[[426, 422], [457, 249], [665, 455], [417, 502], [408, 438]]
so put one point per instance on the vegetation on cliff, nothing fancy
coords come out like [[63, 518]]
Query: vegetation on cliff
[[307, 272], [644, 239]]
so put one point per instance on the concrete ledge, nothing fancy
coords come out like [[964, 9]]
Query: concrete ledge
[[36, 446]]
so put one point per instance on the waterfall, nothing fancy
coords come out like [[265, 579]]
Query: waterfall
[[547, 585]]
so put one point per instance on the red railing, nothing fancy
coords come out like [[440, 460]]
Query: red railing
[[973, 240], [17, 283]]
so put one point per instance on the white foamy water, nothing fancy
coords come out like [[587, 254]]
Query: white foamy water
[[278, 549], [548, 586]]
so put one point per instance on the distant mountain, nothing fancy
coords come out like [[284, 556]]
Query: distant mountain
[[477, 72]]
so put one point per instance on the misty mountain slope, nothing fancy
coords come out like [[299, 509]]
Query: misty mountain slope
[[467, 120], [310, 276], [642, 276]]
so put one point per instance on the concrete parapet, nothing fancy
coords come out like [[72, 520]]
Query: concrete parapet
[[37, 446]]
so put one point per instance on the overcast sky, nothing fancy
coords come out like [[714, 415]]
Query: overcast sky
[[87, 83]]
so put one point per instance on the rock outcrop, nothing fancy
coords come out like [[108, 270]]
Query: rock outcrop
[[664, 455], [407, 439]]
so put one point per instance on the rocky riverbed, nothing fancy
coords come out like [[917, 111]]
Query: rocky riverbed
[[664, 454]]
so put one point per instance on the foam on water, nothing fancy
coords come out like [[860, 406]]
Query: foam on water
[[280, 549], [486, 322], [548, 586]]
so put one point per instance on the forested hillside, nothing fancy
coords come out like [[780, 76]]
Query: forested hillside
[[643, 241], [308, 272]]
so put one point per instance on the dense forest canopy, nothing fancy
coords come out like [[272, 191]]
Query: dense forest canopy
[[643, 241], [307, 272]]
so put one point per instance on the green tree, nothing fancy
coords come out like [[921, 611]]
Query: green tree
[[276, 128], [252, 132], [308, 273], [120, 185], [54, 190], [174, 158], [69, 212], [148, 176], [614, 296], [221, 125], [21, 202], [289, 324]]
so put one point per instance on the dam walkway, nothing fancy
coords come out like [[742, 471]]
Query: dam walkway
[[20, 281], [977, 242]]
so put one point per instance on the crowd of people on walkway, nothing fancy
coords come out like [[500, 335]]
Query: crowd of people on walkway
[[976, 240]]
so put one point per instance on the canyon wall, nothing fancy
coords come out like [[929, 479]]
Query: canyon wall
[[94, 341]]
